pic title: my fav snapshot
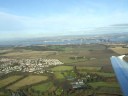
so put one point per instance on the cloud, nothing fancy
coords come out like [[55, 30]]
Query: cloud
[[73, 22], [121, 25], [116, 28]]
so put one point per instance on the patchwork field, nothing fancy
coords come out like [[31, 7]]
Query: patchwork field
[[91, 58], [43, 87], [95, 69], [105, 74], [58, 75], [62, 68], [8, 80], [28, 54], [104, 84], [106, 88], [27, 81], [120, 50]]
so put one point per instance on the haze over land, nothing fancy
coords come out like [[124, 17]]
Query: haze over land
[[40, 18]]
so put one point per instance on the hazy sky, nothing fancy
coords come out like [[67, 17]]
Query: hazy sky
[[37, 18]]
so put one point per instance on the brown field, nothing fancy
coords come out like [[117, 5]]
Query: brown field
[[28, 54], [120, 50], [27, 81], [101, 54]]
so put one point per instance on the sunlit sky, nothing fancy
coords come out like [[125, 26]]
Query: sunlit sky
[[38, 18]]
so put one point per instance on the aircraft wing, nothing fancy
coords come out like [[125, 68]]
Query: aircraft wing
[[121, 70]]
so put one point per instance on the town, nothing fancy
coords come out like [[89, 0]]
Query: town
[[26, 65]]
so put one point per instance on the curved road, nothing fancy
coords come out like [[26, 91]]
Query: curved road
[[121, 70]]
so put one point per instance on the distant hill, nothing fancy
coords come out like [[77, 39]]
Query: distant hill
[[69, 39]]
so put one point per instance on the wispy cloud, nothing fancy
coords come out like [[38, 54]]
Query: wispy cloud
[[76, 21], [116, 28]]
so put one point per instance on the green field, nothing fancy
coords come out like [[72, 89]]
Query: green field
[[59, 75], [69, 74], [2, 94], [106, 87], [87, 47], [105, 74], [9, 80], [43, 87], [101, 91], [104, 84], [95, 69], [62, 68], [65, 74], [27, 81]]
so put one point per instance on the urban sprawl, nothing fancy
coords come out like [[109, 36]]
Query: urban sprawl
[[26, 65]]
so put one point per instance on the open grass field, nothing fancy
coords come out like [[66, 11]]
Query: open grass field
[[85, 47], [95, 63], [79, 51], [2, 94], [104, 84], [28, 81], [105, 74], [43, 87], [108, 91], [120, 50], [59, 75], [5, 50], [22, 53], [9, 80], [92, 69], [69, 73], [98, 51], [62, 68]]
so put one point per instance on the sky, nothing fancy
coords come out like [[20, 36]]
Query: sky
[[39, 18]]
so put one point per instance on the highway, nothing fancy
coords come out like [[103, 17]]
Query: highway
[[121, 70]]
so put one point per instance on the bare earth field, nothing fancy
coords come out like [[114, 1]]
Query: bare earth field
[[120, 50], [28, 54]]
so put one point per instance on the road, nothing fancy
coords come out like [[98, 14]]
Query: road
[[121, 70]]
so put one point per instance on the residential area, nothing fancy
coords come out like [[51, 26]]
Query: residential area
[[8, 65]]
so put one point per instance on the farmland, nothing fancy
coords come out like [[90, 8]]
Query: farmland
[[106, 87], [43, 87], [87, 64], [27, 81], [8, 80], [104, 84], [120, 50], [62, 68], [58, 75], [89, 69]]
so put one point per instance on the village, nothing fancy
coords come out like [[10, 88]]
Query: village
[[37, 66]]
